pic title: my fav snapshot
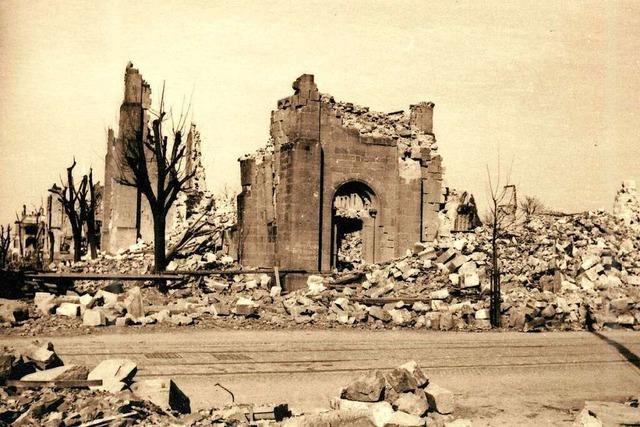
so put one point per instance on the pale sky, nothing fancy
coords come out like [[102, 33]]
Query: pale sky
[[553, 88]]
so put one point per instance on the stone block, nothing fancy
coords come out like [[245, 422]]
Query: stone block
[[45, 302], [134, 303], [440, 294], [164, 393], [440, 399], [366, 388], [42, 354], [114, 373], [469, 280], [401, 380], [68, 309], [93, 317], [418, 375], [379, 313], [412, 403]]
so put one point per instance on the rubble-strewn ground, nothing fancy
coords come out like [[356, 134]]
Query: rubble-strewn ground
[[558, 273], [497, 378]]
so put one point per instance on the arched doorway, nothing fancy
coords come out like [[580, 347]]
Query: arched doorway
[[353, 224]]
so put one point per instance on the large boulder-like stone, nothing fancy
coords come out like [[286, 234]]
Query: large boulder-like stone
[[412, 403], [401, 380], [366, 388], [164, 393], [42, 354], [440, 399], [418, 375]]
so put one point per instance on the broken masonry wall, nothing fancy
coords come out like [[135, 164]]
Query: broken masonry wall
[[121, 202], [320, 147]]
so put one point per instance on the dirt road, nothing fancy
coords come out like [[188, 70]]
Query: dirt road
[[498, 378]]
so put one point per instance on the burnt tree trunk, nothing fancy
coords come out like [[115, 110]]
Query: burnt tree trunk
[[159, 254]]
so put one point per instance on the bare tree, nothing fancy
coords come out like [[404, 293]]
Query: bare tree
[[5, 240], [500, 216], [74, 201], [89, 207], [169, 178], [531, 205]]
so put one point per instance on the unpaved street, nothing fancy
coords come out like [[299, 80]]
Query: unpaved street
[[498, 378]]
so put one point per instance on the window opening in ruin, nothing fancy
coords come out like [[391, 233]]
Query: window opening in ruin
[[353, 226]]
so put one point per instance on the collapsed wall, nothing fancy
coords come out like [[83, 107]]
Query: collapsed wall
[[332, 168]]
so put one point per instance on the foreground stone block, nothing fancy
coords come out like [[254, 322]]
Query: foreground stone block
[[337, 418], [366, 388], [164, 393], [114, 373], [43, 355], [440, 399]]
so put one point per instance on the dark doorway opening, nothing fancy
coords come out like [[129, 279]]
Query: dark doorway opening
[[353, 225]]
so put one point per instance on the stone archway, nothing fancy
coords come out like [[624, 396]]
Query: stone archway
[[354, 210]]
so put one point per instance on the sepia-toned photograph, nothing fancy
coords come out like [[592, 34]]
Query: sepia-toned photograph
[[319, 213]]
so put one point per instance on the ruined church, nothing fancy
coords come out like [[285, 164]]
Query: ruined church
[[332, 169]]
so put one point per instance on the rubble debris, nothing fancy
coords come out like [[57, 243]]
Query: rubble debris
[[33, 401], [403, 396], [597, 413]]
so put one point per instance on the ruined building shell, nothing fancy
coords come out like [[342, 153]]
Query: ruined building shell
[[331, 167]]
